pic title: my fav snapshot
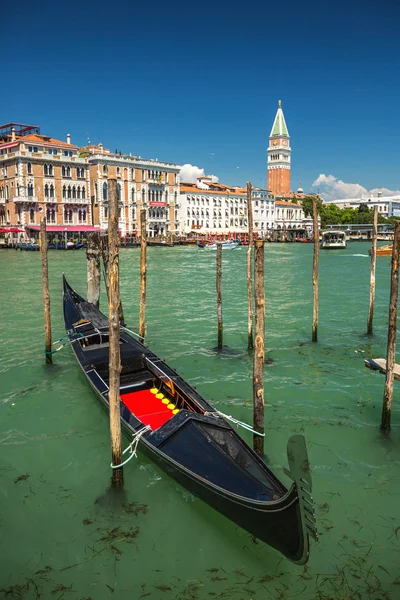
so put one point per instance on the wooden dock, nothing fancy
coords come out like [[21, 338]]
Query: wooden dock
[[379, 364]]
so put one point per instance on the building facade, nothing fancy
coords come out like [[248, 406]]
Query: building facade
[[279, 152], [41, 176], [290, 216], [142, 184], [211, 208]]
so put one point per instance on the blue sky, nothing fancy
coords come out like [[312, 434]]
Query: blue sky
[[199, 83]]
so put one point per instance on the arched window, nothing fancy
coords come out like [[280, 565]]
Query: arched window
[[74, 192], [30, 190], [64, 191], [105, 196], [143, 196], [51, 191], [175, 197], [51, 170], [29, 168], [166, 196], [78, 191], [46, 191], [84, 216], [83, 192], [80, 216], [32, 215], [118, 171], [63, 171], [45, 169], [105, 169], [133, 194], [152, 195], [119, 190], [69, 191], [68, 171]]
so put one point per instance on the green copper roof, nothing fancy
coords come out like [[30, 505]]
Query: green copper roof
[[279, 126]]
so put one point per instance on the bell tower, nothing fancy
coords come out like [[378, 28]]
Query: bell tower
[[279, 156]]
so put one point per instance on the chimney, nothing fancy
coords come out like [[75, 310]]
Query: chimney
[[13, 134], [68, 138]]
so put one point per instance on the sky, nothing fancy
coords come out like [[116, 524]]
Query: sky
[[198, 84]]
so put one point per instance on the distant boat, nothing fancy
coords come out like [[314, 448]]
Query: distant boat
[[333, 240], [383, 250], [224, 245]]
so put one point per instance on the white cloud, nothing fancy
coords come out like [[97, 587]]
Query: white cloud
[[332, 188], [190, 173]]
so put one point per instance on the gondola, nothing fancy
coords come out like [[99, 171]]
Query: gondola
[[190, 440]]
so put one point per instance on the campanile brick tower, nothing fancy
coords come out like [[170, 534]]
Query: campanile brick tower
[[279, 156]]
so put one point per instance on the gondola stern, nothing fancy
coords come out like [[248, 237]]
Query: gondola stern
[[299, 472]]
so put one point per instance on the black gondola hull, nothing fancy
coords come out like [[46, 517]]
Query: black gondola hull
[[185, 447]]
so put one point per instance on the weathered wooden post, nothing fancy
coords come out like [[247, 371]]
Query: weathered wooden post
[[391, 345], [219, 296], [315, 272], [106, 258], [114, 334], [259, 353], [45, 290], [373, 269], [93, 253], [249, 273], [143, 269]]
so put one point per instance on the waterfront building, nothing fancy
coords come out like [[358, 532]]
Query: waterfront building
[[264, 211], [279, 152], [290, 216], [147, 184], [388, 206], [41, 176], [208, 207]]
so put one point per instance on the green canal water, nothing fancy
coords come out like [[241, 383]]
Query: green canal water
[[62, 535]]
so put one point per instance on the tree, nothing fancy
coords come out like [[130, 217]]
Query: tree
[[307, 203]]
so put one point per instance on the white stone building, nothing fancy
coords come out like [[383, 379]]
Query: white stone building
[[388, 206], [290, 216]]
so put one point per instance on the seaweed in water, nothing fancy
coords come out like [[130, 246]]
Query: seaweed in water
[[23, 477], [135, 508]]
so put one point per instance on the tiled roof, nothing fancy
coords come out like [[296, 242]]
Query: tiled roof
[[193, 189], [44, 140]]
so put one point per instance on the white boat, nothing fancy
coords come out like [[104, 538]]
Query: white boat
[[333, 240], [224, 245]]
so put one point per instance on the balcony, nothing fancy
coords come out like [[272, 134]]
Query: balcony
[[25, 199], [73, 200], [158, 181]]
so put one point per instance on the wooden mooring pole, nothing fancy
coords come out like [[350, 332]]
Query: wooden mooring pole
[[259, 352], [93, 254], [315, 272], [143, 269], [250, 344], [391, 345], [45, 290], [114, 334], [373, 269], [219, 297]]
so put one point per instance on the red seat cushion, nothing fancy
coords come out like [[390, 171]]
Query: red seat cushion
[[147, 408]]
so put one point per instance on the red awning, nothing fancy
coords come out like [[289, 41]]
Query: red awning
[[12, 230], [65, 228]]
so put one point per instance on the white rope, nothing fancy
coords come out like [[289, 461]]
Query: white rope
[[233, 420], [133, 446], [132, 332]]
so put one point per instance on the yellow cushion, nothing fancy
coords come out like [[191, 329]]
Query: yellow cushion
[[154, 390], [160, 395], [175, 411], [165, 400], [171, 406]]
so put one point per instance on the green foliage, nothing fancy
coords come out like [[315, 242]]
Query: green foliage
[[333, 215], [307, 203]]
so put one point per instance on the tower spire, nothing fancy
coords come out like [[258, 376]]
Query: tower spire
[[279, 155]]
